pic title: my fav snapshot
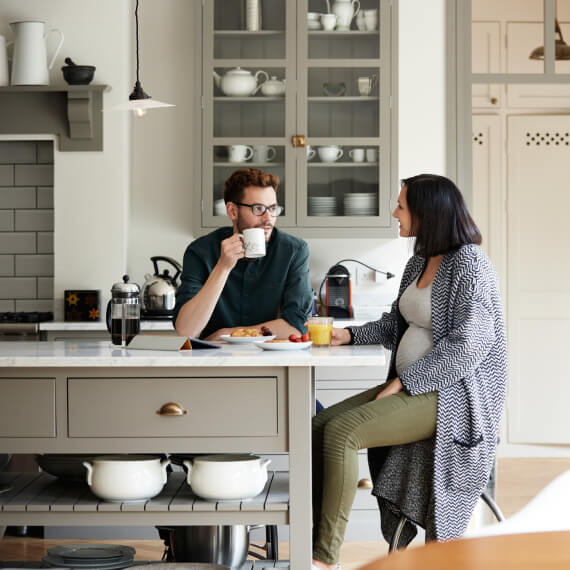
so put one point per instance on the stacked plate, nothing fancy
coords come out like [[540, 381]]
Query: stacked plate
[[322, 206], [90, 556], [360, 204]]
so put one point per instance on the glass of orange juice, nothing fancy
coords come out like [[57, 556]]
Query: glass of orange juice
[[320, 330]]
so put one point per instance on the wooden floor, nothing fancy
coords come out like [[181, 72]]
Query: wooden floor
[[518, 480]]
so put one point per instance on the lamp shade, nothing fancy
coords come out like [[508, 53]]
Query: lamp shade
[[561, 48]]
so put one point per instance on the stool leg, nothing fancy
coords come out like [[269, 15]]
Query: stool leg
[[397, 533], [493, 506]]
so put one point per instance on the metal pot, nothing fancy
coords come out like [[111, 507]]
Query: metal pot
[[158, 293], [225, 545]]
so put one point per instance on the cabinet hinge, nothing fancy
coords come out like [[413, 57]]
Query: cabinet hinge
[[201, 205], [202, 101], [390, 101]]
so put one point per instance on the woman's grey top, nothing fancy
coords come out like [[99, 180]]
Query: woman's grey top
[[417, 341]]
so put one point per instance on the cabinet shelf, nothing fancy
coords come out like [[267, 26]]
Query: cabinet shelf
[[343, 33], [248, 164], [228, 99], [351, 63], [342, 164], [248, 33], [343, 98]]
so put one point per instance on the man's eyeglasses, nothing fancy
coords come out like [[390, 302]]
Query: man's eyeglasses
[[260, 209]]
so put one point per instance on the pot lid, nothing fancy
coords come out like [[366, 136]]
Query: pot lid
[[238, 71], [125, 289]]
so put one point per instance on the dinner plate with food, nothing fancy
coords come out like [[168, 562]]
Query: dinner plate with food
[[284, 344], [248, 335]]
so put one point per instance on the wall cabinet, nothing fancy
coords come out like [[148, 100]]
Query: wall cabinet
[[329, 137]]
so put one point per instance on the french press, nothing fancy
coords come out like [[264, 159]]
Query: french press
[[124, 312]]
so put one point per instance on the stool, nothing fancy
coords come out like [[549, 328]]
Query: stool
[[403, 519]]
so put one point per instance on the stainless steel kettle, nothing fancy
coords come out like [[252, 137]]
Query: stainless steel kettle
[[158, 293]]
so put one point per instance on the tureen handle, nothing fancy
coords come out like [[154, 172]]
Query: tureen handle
[[89, 468]]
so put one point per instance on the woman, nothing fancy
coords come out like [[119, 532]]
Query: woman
[[437, 416]]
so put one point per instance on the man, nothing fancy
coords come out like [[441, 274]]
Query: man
[[221, 290]]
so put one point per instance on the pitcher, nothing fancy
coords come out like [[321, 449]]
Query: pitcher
[[345, 11], [29, 65]]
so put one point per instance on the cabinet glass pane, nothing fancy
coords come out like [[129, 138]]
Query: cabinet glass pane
[[348, 38], [345, 187], [256, 115], [227, 159], [234, 36]]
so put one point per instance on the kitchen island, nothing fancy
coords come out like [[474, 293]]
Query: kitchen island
[[75, 397]]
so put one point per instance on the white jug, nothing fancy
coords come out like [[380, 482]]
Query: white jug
[[345, 11], [29, 63], [4, 77]]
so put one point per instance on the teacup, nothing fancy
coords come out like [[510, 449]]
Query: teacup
[[330, 153], [334, 89], [239, 153], [357, 154], [366, 84], [253, 242], [310, 152], [371, 155], [328, 21], [263, 153]]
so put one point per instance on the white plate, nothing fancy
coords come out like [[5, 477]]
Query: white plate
[[284, 345], [245, 339]]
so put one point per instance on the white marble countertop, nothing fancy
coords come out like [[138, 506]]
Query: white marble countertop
[[99, 354]]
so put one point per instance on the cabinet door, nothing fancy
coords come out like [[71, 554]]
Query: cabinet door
[[344, 110], [246, 123], [523, 37], [486, 54], [539, 277]]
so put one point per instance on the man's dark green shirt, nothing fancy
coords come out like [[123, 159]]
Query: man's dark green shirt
[[270, 287]]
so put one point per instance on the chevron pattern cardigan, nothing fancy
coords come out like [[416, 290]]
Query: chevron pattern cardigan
[[467, 367]]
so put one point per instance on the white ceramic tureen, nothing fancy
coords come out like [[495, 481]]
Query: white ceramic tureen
[[239, 82]]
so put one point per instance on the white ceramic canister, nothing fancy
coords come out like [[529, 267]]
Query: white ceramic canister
[[4, 75], [227, 476], [126, 478]]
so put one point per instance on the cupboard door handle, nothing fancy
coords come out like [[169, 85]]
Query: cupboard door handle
[[171, 409], [298, 141], [494, 100], [365, 483]]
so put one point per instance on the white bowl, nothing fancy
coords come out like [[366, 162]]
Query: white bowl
[[126, 478], [227, 477], [313, 16]]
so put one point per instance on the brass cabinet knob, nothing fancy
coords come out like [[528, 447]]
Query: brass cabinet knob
[[365, 483], [171, 409], [298, 140], [494, 100]]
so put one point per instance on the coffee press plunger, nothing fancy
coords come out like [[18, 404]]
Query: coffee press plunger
[[124, 312]]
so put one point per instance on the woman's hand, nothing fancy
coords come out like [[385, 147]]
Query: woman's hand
[[340, 336], [393, 388]]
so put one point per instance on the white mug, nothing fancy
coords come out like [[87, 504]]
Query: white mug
[[253, 242], [357, 154], [239, 153], [310, 152], [366, 84], [263, 153], [371, 155], [330, 153], [370, 19], [328, 21], [360, 21], [220, 208]]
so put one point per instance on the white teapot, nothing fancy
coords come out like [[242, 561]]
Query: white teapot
[[345, 11], [273, 87], [239, 82]]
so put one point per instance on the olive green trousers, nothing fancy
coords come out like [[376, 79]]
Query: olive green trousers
[[339, 432]]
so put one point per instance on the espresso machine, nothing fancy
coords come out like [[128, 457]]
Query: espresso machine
[[124, 312]]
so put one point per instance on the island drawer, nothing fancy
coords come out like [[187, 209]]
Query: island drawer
[[27, 407], [215, 407]]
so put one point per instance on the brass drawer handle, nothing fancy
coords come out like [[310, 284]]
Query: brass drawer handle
[[365, 483], [171, 409], [298, 140]]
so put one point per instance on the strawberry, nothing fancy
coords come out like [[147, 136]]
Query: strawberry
[[305, 337], [293, 338]]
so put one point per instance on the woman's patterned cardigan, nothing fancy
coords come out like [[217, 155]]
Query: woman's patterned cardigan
[[467, 366]]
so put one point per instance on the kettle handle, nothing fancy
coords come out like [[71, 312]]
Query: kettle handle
[[108, 316], [172, 262], [61, 38]]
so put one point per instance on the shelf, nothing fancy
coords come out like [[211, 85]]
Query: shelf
[[248, 164], [248, 33], [343, 98], [71, 111], [250, 63], [39, 499], [342, 164], [351, 63], [342, 33], [254, 99]]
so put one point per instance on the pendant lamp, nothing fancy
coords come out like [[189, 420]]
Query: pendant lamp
[[139, 101], [562, 49]]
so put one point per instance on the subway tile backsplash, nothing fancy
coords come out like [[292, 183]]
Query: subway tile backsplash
[[26, 225]]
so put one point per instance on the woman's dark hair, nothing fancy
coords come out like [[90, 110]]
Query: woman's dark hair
[[242, 179], [440, 219]]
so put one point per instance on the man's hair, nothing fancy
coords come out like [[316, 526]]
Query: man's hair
[[440, 219], [242, 179]]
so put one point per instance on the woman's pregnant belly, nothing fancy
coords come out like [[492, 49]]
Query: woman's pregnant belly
[[415, 343]]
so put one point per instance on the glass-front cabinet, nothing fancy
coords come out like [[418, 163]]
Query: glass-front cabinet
[[304, 90]]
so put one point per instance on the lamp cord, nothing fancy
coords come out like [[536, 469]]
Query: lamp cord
[[137, 35]]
